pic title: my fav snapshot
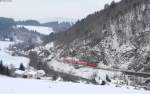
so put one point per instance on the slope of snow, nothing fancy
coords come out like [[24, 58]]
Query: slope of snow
[[7, 58], [84, 72], [49, 45], [31, 86], [39, 29]]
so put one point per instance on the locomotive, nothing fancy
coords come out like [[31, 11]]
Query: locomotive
[[74, 61]]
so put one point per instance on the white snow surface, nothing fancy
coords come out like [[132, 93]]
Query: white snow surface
[[7, 58], [84, 72], [49, 45], [32, 86], [39, 29]]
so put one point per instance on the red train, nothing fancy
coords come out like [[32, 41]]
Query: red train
[[79, 62]]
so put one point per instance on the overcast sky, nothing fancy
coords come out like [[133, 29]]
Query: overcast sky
[[37, 9]]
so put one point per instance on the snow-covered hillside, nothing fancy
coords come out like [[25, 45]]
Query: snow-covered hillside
[[31, 86], [39, 29], [7, 58]]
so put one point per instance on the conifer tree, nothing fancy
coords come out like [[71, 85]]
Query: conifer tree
[[22, 67], [1, 65], [7, 71]]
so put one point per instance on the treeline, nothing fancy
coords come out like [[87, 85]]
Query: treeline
[[6, 23], [4, 70], [9, 71], [58, 27], [63, 26], [28, 22]]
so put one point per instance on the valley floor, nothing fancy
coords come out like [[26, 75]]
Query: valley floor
[[32, 86], [7, 58]]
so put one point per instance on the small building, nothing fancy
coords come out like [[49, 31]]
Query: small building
[[40, 73], [34, 74], [29, 74]]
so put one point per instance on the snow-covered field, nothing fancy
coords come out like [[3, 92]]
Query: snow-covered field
[[39, 29], [31, 86], [6, 57]]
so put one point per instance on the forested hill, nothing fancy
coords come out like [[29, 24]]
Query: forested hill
[[93, 25], [6, 23], [62, 26], [117, 36]]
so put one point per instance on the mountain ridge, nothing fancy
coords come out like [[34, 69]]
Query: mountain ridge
[[119, 34]]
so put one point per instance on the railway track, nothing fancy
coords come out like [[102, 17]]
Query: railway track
[[127, 72], [94, 66]]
